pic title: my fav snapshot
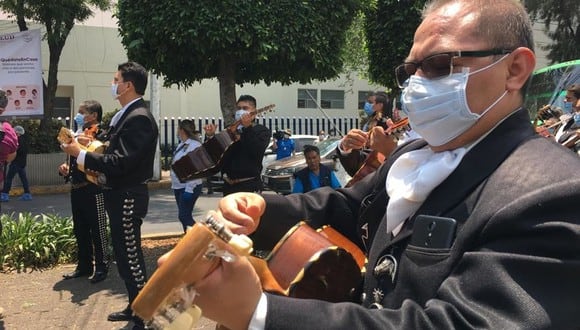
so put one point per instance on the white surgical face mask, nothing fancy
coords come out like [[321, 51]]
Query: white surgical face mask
[[114, 90], [240, 113], [568, 107], [80, 120], [438, 109]]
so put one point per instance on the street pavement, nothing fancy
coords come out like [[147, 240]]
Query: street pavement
[[161, 218]]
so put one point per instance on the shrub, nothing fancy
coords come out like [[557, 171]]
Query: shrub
[[41, 141], [36, 242]]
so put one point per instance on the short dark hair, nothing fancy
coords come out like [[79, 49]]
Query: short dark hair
[[575, 89], [308, 148], [247, 98], [136, 74], [93, 106]]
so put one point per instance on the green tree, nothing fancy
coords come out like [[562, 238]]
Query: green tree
[[237, 41], [390, 27], [58, 18], [561, 23]]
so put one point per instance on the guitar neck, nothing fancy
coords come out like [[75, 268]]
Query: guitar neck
[[232, 127]]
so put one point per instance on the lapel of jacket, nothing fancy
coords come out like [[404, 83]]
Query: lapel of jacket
[[137, 104], [476, 166]]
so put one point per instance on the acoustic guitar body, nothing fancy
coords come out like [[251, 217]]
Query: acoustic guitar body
[[206, 160], [308, 265], [66, 136]]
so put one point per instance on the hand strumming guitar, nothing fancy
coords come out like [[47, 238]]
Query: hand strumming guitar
[[247, 119], [382, 141], [73, 148]]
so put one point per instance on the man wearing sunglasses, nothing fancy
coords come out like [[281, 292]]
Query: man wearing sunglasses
[[463, 229]]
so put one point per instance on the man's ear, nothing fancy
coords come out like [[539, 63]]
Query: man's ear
[[520, 67]]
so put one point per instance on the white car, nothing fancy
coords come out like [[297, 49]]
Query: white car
[[278, 175], [299, 142]]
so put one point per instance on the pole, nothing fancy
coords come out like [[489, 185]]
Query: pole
[[324, 113], [154, 105]]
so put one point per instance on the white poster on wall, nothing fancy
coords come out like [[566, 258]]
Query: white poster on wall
[[21, 73]]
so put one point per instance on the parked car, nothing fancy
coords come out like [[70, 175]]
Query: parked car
[[299, 142], [279, 175]]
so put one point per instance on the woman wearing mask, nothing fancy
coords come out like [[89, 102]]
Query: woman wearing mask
[[186, 193]]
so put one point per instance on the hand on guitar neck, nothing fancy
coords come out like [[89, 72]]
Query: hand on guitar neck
[[379, 139]]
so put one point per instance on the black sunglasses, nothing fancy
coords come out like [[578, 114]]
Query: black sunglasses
[[439, 65]]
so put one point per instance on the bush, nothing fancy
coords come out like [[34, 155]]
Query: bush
[[44, 141], [40, 141], [36, 242]]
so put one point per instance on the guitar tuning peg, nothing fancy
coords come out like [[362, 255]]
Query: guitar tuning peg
[[186, 320]]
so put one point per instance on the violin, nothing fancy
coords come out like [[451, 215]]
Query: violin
[[375, 159]]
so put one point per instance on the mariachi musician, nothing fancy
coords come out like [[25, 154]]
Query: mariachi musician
[[356, 147], [242, 164], [87, 202]]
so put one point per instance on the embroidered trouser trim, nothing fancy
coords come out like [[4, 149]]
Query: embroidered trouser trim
[[126, 209]]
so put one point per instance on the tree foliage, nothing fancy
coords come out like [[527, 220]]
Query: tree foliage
[[390, 27], [236, 41], [561, 23], [58, 18]]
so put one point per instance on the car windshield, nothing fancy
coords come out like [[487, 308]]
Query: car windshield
[[327, 146], [299, 143]]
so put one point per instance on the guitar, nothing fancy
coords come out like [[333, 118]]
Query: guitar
[[304, 264], [65, 135], [207, 160], [375, 159]]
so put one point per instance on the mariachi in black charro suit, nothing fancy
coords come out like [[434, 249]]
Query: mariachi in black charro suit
[[514, 262], [127, 165]]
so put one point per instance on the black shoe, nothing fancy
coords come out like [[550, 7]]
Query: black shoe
[[124, 315], [138, 324], [98, 276], [75, 274]]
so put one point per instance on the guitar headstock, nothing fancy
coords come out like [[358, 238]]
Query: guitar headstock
[[268, 108], [65, 135]]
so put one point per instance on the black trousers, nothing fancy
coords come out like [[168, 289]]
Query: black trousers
[[126, 208], [90, 228]]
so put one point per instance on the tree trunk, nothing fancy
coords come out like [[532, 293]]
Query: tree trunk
[[227, 83], [20, 16], [52, 85]]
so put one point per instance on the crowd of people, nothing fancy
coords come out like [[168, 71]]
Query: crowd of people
[[462, 228], [460, 225]]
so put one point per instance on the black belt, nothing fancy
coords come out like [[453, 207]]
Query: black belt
[[236, 181], [79, 185]]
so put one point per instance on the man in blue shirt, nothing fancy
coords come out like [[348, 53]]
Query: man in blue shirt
[[314, 176], [283, 144]]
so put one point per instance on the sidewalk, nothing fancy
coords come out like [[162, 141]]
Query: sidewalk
[[161, 219], [43, 300]]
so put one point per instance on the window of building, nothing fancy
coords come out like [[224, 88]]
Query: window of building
[[305, 100], [362, 98], [62, 107], [332, 99]]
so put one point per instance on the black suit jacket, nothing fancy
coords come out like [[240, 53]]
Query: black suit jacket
[[128, 159], [514, 263], [244, 157]]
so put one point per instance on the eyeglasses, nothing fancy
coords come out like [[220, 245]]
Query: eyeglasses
[[439, 65]]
